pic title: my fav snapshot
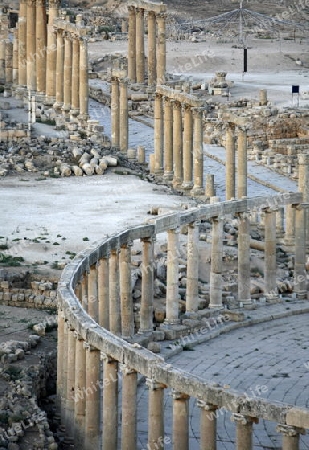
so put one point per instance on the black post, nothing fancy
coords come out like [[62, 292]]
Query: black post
[[245, 60]]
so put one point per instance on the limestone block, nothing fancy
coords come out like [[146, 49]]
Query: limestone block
[[78, 172]]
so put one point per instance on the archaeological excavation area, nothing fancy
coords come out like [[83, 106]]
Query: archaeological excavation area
[[153, 231]]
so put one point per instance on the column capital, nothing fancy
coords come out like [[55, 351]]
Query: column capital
[[54, 3], [31, 3], [289, 430], [148, 239], [154, 385], [127, 244], [176, 105], [179, 395], [107, 358], [243, 420], [78, 336], [161, 16], [303, 159], [152, 14], [159, 96], [40, 2], [126, 370], [197, 112], [89, 347], [207, 406], [140, 11], [300, 206], [131, 8]]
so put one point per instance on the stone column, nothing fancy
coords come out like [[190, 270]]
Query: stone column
[[92, 430], [180, 421], [31, 45], [103, 292], [67, 72], [230, 164], [289, 237], [161, 49], [168, 139], [177, 145], [114, 297], [83, 79], [129, 410], [70, 385], [59, 70], [140, 46], [115, 113], [172, 276], [216, 264], [300, 276], [243, 431], [270, 254], [152, 44], [2, 61], [123, 119], [158, 133], [127, 318], [290, 436], [85, 292], [242, 164], [93, 293], [51, 56], [132, 44], [22, 42], [155, 414], [8, 63], [147, 269], [64, 365], [60, 359], [75, 77], [303, 183], [188, 149], [80, 393], [110, 404], [192, 268], [210, 190], [244, 292], [15, 57], [41, 42], [198, 152], [208, 425]]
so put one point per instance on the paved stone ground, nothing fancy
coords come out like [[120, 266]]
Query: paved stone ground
[[267, 360]]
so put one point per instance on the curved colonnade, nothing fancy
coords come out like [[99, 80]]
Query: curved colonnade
[[97, 321]]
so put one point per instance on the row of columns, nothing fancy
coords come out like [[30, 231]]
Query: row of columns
[[119, 113], [178, 152], [242, 162], [156, 46], [88, 385]]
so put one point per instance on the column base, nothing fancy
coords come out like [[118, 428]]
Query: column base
[[21, 92], [159, 171], [168, 176], [49, 101], [82, 119], [197, 192], [74, 113], [301, 295], [187, 185], [57, 107], [218, 307], [272, 298], [66, 111], [177, 184]]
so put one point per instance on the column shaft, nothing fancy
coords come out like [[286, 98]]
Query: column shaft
[[75, 77], [303, 172], [60, 359], [127, 318], [140, 46], [208, 427], [22, 41], [93, 293], [172, 276], [103, 293], [290, 442], [8, 62], [181, 421], [114, 297], [177, 145], [85, 292], [216, 264], [152, 57], [31, 45], [198, 152], [244, 292], [83, 78], [192, 268], [300, 277], [67, 72], [270, 253], [80, 394], [244, 436], [51, 57], [115, 112], [230, 164], [129, 410], [158, 133], [188, 149], [64, 372], [15, 57], [242, 164], [110, 404], [155, 414], [2, 61], [92, 398], [59, 68], [132, 44], [161, 49], [147, 268], [124, 118], [41, 41], [70, 385], [168, 139]]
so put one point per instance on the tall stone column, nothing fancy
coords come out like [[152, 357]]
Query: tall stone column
[[177, 145], [208, 426], [289, 237], [161, 49], [155, 414], [103, 292], [147, 268], [152, 46], [192, 268], [2, 61], [132, 44], [64, 364], [216, 264], [300, 276], [31, 45], [123, 118], [70, 385], [93, 293], [188, 149], [75, 77], [114, 297], [22, 43], [85, 292], [172, 276], [127, 318], [93, 393], [198, 152], [41, 42], [290, 436], [83, 79], [59, 70], [110, 404], [15, 57], [168, 139], [115, 112], [230, 164], [180, 421], [60, 359], [67, 73], [303, 184], [270, 253], [158, 133], [51, 56], [80, 393], [129, 409], [244, 292], [8, 63], [243, 431], [140, 46], [242, 163]]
